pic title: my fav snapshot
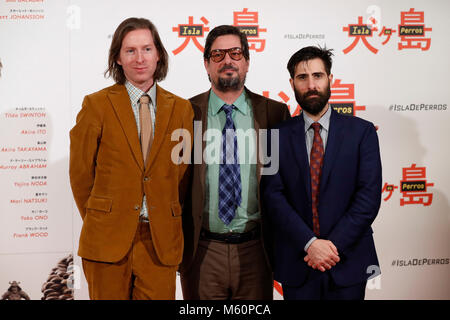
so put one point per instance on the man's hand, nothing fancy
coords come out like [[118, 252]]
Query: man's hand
[[322, 255]]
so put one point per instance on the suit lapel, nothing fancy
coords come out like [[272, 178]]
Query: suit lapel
[[164, 109], [259, 108], [120, 101], [298, 143], [200, 105], [335, 136]]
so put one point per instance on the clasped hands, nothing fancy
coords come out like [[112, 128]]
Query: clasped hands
[[322, 255]]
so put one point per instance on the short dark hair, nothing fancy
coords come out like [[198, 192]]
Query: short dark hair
[[115, 70], [222, 31], [309, 53]]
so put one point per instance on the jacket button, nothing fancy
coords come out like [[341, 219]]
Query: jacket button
[[146, 179], [137, 207]]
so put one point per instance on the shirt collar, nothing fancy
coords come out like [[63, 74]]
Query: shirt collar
[[136, 93], [216, 103], [324, 120]]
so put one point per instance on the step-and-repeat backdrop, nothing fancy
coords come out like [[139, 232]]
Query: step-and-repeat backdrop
[[391, 67]]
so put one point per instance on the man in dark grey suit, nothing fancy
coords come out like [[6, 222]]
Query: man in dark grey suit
[[227, 242]]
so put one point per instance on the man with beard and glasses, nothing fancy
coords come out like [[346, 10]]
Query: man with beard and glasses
[[227, 240], [327, 192]]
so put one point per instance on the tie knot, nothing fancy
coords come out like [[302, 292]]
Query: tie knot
[[316, 126], [228, 109], [145, 99]]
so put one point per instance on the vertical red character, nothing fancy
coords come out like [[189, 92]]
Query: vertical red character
[[412, 31], [386, 32], [342, 98], [361, 32], [191, 31], [247, 22], [390, 189], [414, 186]]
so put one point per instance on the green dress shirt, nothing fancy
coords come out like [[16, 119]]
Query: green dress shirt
[[247, 214]]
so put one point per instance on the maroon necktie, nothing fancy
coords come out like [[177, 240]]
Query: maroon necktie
[[315, 164]]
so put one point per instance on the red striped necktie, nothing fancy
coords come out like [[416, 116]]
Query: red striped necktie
[[315, 165]]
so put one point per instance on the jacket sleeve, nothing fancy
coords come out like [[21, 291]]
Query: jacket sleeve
[[85, 138], [367, 196]]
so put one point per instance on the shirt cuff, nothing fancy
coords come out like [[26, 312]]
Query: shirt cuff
[[309, 243]]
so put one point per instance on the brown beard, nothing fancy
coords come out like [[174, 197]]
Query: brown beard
[[313, 106], [228, 84]]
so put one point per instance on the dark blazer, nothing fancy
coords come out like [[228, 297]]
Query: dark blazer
[[108, 176], [267, 113], [349, 199]]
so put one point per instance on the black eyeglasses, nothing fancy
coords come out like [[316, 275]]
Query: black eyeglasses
[[219, 54]]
